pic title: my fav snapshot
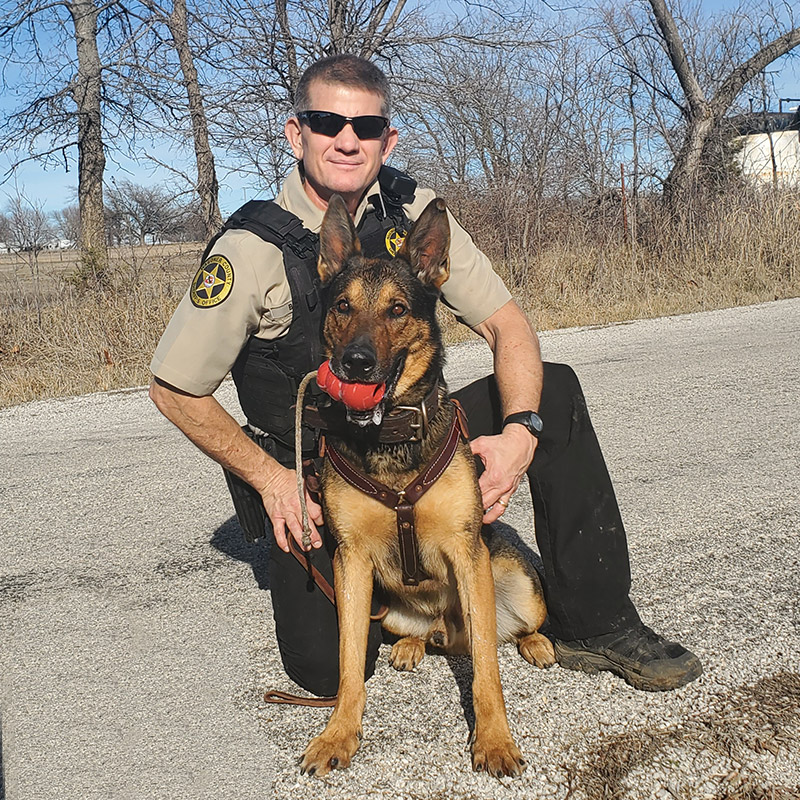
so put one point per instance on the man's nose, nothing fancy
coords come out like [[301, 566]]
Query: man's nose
[[347, 140]]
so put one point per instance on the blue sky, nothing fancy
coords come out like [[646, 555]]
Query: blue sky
[[55, 188]]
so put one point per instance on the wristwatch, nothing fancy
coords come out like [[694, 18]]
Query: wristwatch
[[530, 419]]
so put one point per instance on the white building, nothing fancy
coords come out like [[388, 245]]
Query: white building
[[769, 148]]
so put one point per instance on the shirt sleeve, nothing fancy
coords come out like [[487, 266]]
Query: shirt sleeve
[[474, 291], [222, 308]]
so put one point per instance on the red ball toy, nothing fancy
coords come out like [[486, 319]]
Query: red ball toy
[[358, 396]]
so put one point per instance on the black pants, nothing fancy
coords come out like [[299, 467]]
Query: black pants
[[578, 529]]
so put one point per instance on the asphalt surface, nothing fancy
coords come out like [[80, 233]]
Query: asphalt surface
[[136, 642]]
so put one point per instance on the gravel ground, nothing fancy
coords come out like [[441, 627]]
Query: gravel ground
[[136, 642]]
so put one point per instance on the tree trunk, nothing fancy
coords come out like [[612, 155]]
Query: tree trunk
[[91, 155], [684, 177], [207, 186], [703, 115], [292, 72]]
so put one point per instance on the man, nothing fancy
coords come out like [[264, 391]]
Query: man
[[246, 312]]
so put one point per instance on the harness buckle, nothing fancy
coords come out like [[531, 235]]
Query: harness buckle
[[420, 425]]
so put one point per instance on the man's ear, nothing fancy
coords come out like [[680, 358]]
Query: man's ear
[[294, 136], [427, 246], [337, 239]]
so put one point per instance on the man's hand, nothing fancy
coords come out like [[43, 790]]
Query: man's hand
[[218, 435], [506, 458], [282, 504]]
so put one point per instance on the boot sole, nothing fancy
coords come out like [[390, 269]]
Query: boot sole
[[592, 663]]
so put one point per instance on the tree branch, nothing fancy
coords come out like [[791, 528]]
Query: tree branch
[[743, 74], [677, 55]]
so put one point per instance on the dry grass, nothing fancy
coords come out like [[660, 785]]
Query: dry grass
[[74, 342], [748, 721], [576, 267]]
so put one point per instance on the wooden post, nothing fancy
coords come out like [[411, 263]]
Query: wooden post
[[624, 202]]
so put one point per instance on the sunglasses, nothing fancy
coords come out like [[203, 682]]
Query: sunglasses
[[329, 124]]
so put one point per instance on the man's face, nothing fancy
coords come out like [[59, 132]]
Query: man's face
[[341, 164]]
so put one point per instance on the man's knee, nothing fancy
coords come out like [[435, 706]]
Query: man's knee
[[560, 379], [316, 667], [317, 673]]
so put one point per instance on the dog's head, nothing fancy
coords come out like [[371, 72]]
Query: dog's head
[[380, 322]]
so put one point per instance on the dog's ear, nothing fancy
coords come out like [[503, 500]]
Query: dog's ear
[[337, 239], [427, 246]]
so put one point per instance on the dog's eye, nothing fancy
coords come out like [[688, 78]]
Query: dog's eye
[[398, 309], [342, 306]]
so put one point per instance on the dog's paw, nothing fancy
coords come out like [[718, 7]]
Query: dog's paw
[[499, 758], [330, 750], [407, 653], [537, 650]]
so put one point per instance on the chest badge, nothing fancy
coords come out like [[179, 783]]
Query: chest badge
[[212, 283], [394, 240]]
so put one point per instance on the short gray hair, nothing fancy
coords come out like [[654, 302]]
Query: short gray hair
[[347, 70]]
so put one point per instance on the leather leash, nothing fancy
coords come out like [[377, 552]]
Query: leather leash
[[402, 502]]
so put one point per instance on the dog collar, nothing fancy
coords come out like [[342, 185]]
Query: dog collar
[[401, 424]]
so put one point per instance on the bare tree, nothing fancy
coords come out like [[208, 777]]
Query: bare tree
[[68, 223], [91, 154], [142, 214], [27, 231], [63, 97], [175, 17], [27, 226], [704, 112]]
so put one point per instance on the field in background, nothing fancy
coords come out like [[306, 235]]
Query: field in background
[[576, 266]]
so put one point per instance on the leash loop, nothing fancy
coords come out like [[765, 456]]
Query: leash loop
[[298, 455]]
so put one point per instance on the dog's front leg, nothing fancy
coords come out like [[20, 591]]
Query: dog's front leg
[[493, 748], [335, 746]]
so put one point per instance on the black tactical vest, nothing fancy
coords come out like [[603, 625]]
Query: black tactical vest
[[267, 373]]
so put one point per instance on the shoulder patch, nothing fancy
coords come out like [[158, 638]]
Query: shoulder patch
[[212, 283]]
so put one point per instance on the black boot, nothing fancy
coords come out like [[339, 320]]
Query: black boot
[[637, 654]]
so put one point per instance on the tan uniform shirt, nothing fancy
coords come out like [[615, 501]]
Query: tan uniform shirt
[[242, 290]]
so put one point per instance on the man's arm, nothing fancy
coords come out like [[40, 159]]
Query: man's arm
[[518, 370], [206, 423]]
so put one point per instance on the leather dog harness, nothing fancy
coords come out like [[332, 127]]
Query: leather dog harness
[[402, 502]]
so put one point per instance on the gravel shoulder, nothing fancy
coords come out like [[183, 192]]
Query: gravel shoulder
[[136, 634]]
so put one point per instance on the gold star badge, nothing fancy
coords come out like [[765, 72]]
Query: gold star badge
[[212, 283], [394, 240]]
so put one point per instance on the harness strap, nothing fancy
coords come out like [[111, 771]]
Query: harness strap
[[322, 582], [402, 502]]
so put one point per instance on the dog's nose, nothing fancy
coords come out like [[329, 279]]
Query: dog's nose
[[358, 361]]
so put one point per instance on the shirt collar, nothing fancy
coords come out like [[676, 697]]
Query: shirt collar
[[293, 198]]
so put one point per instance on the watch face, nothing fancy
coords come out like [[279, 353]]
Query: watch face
[[530, 419]]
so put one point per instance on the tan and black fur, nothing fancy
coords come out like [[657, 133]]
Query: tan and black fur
[[381, 327]]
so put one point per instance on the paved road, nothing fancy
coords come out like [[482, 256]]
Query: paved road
[[136, 642]]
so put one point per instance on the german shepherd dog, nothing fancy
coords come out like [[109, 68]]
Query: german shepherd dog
[[380, 327]]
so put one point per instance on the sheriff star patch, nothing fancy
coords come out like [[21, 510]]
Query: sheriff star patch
[[212, 283], [394, 240]]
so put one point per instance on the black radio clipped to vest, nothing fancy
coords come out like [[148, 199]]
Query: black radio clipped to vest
[[396, 185]]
